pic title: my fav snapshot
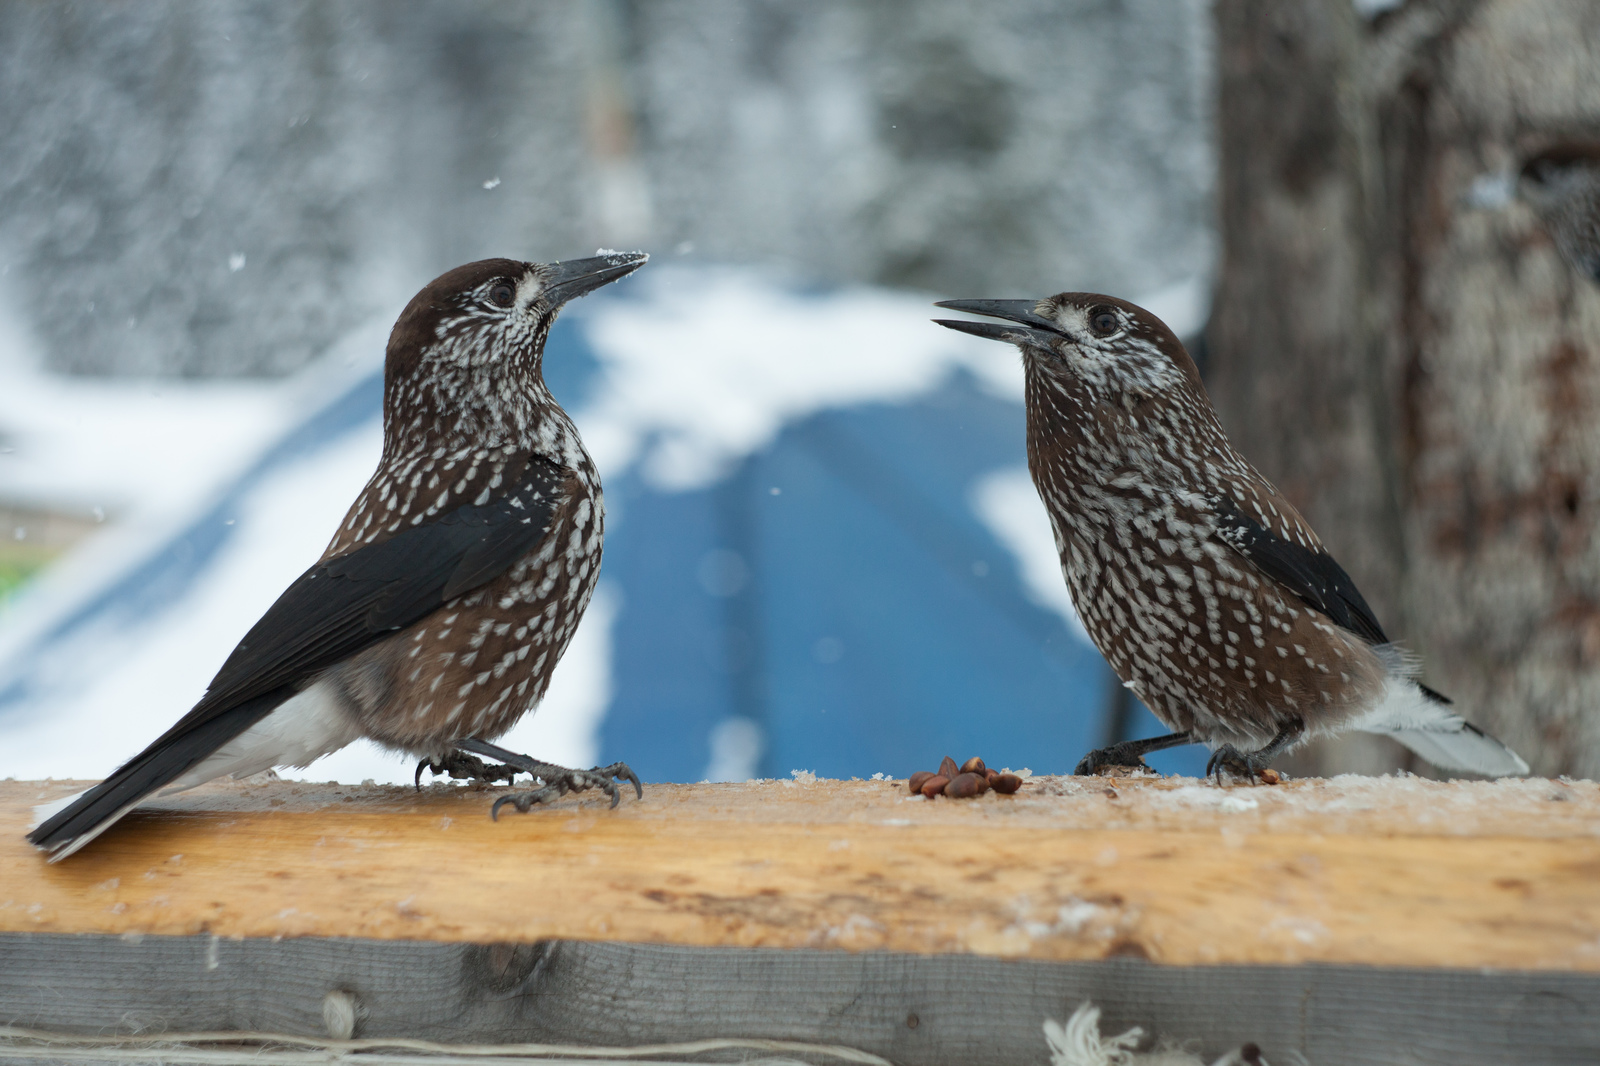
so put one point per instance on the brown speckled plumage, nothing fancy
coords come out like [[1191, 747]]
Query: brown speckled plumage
[[435, 617], [467, 418], [1208, 593]]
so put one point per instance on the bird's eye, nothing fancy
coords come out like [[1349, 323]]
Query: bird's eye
[[503, 294], [1104, 321]]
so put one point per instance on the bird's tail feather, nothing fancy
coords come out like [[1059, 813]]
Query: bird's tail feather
[[1467, 748], [43, 812], [87, 815], [1415, 717]]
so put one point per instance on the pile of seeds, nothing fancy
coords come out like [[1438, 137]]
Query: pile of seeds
[[970, 779]]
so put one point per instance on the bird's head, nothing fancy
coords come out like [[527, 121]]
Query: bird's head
[[489, 319], [1116, 352], [465, 357]]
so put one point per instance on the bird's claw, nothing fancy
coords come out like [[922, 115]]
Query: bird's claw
[[558, 781], [1108, 758], [1238, 764], [524, 801], [462, 766], [620, 771]]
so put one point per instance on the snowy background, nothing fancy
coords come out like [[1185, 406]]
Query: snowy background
[[823, 550]]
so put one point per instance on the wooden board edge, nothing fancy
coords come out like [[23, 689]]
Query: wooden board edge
[[913, 1009]]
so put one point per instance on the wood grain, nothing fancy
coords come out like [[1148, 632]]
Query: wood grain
[[1175, 872], [914, 1009]]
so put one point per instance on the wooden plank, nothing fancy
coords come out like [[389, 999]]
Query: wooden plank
[[914, 1009], [1390, 872]]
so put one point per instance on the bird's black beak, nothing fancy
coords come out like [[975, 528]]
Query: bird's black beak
[[575, 277], [1035, 328]]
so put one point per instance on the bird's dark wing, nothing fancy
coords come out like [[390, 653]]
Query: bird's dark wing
[[342, 604], [1312, 575], [332, 611]]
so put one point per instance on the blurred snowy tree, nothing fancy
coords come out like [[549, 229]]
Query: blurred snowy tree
[[226, 187]]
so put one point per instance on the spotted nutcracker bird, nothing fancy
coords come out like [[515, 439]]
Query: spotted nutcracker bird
[[436, 615], [1206, 590]]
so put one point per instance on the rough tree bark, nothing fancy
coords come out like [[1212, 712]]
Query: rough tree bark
[[1406, 353]]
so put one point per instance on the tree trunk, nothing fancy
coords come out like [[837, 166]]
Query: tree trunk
[[1398, 343]]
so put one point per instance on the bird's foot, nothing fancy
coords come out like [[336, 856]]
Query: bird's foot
[[1123, 756], [553, 781], [464, 767], [1244, 766], [558, 781]]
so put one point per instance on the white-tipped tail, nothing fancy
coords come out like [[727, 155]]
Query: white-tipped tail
[[61, 851], [1438, 734], [297, 732], [42, 811], [1467, 748]]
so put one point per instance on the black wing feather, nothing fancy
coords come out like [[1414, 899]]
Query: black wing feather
[[333, 610], [1313, 576], [504, 538], [340, 606]]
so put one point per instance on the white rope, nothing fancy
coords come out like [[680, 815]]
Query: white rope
[[1079, 1043], [526, 1051]]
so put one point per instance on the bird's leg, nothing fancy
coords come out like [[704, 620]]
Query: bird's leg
[[1128, 753], [1249, 766], [558, 780], [463, 767]]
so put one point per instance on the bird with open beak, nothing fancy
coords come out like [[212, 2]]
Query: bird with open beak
[[1208, 593], [440, 608]]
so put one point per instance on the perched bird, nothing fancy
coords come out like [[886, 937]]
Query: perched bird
[[1209, 594], [436, 615], [1562, 185]]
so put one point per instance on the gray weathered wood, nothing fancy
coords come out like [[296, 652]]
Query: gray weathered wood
[[910, 1008], [250, 1055]]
